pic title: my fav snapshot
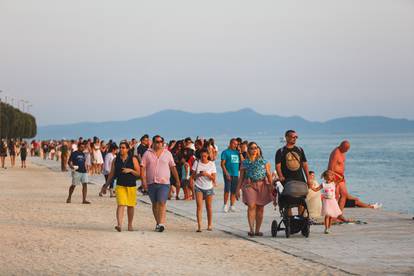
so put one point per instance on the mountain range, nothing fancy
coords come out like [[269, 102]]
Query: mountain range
[[178, 124]]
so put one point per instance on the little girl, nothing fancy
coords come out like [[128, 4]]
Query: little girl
[[330, 207]]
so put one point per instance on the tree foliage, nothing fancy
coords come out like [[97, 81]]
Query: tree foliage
[[15, 123]]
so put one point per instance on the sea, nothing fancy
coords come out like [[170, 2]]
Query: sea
[[379, 167]]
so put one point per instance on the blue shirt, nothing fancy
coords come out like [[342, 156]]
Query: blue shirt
[[255, 170], [78, 159], [232, 159]]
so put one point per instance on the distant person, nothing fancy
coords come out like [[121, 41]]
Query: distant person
[[291, 162], [230, 164], [313, 199], [143, 146], [3, 153], [64, 156], [256, 184], [156, 167], [23, 154], [12, 152], [77, 162], [330, 207], [97, 158], [203, 174], [125, 169], [109, 158]]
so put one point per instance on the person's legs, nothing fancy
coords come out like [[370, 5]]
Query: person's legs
[[199, 201], [361, 204], [178, 187], [162, 212], [2, 161], [84, 193], [343, 194], [119, 217], [227, 186], [259, 217], [71, 189], [209, 208], [130, 211], [234, 180], [251, 216], [152, 193]]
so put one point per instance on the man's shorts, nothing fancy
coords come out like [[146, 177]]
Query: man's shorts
[[79, 178], [205, 193], [126, 196], [230, 186], [158, 192]]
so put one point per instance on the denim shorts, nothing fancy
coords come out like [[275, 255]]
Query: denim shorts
[[79, 178], [158, 192], [205, 193], [230, 186]]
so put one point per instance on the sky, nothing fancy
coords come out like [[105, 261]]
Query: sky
[[101, 60]]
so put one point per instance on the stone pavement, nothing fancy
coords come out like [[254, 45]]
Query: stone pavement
[[385, 245]]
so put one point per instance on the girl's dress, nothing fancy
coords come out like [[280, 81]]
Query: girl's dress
[[330, 206]]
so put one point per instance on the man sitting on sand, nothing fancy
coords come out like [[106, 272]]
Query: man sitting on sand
[[337, 165]]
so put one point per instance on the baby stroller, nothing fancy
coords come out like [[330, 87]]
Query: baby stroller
[[293, 195]]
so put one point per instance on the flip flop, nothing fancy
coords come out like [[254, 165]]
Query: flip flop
[[198, 231], [118, 228], [250, 234], [259, 234]]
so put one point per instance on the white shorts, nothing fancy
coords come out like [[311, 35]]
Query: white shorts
[[79, 178]]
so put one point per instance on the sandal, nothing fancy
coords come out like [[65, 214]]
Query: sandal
[[118, 228], [198, 231], [259, 234], [250, 234]]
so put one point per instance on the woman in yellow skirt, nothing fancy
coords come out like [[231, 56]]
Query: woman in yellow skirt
[[125, 169]]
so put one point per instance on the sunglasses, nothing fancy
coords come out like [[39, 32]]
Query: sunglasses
[[295, 137], [159, 141], [253, 148]]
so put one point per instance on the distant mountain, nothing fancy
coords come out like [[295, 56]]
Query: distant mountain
[[174, 123]]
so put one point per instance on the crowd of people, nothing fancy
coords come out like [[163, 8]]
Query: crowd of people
[[13, 148], [165, 169]]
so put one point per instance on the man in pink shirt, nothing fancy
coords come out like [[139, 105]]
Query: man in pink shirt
[[157, 166]]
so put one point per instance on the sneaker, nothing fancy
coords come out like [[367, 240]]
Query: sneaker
[[225, 208], [326, 231], [233, 209], [161, 228], [157, 228]]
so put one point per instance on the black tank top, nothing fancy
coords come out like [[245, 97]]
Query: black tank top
[[124, 179]]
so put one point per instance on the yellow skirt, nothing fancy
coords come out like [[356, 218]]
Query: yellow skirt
[[126, 196]]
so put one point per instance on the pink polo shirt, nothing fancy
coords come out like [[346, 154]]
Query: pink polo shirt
[[157, 169]]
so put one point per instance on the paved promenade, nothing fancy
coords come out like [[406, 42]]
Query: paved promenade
[[385, 245]]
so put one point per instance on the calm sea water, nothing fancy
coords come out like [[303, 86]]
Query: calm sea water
[[379, 168]]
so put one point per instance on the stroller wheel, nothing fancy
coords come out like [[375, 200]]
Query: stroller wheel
[[306, 230], [274, 228], [287, 228]]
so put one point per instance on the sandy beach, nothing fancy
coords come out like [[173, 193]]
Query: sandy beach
[[41, 234]]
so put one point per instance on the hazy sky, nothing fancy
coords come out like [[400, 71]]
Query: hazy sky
[[108, 60]]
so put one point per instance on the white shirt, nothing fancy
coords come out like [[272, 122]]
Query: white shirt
[[109, 157], [204, 182]]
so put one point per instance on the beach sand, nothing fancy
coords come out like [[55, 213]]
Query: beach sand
[[41, 234]]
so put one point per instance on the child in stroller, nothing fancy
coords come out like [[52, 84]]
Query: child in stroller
[[293, 195]]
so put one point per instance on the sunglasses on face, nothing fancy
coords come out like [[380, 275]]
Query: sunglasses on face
[[253, 148], [294, 137], [159, 141]]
